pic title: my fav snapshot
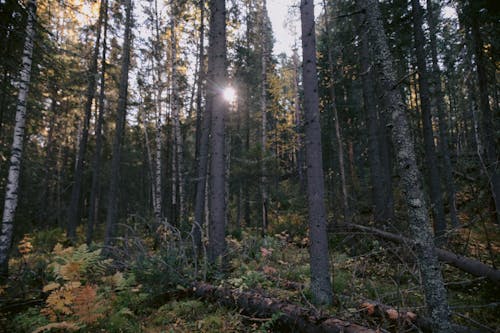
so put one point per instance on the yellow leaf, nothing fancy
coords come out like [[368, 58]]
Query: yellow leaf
[[51, 286]]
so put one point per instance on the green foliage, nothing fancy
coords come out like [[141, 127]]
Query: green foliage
[[44, 240], [122, 321], [27, 320], [78, 264], [249, 280]]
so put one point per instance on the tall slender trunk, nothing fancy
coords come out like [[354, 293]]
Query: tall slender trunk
[[433, 286], [157, 183], [45, 204], [202, 138], [338, 133], [488, 128], [321, 286], [200, 78], [121, 115], [218, 108], [263, 110], [96, 162], [436, 193], [298, 120], [372, 122], [12, 188], [440, 105], [73, 210], [178, 152]]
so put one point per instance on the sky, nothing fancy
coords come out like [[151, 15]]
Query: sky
[[284, 23]]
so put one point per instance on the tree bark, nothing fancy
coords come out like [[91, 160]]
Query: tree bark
[[121, 115], [488, 122], [372, 122], [291, 317], [73, 210], [96, 163], [436, 194], [338, 133], [202, 137], [319, 259], [217, 109], [12, 188], [177, 157], [263, 110], [440, 104], [471, 266], [434, 290]]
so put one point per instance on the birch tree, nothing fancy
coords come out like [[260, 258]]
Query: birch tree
[[12, 189]]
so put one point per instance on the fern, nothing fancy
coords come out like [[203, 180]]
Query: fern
[[78, 264], [87, 306]]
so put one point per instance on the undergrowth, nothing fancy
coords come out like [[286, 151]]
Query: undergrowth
[[144, 286]]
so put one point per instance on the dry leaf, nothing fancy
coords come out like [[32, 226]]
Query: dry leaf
[[51, 286], [369, 307], [392, 314], [269, 270]]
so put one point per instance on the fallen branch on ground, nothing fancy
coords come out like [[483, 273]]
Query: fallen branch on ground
[[468, 265], [292, 317]]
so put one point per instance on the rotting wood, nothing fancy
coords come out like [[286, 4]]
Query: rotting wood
[[468, 265], [292, 317]]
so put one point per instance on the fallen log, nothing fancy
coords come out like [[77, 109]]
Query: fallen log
[[471, 266], [291, 317]]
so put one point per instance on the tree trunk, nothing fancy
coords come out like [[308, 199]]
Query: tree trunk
[[73, 210], [202, 137], [12, 188], [292, 318], [217, 109], [338, 133], [177, 157], [488, 125], [440, 104], [263, 110], [471, 266], [157, 191], [372, 122], [298, 121], [96, 163], [436, 194], [321, 287], [434, 290], [121, 115]]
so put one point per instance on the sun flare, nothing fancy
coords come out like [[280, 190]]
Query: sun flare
[[229, 94]]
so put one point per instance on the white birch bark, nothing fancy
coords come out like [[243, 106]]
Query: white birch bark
[[12, 189]]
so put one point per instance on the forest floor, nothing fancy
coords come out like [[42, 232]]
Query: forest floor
[[376, 284]]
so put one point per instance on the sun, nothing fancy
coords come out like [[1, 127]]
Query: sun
[[229, 94]]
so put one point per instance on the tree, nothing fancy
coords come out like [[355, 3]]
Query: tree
[[202, 139], [12, 189], [96, 163], [435, 292], [428, 133], [440, 105], [217, 108], [121, 114], [73, 210], [320, 267], [380, 210]]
